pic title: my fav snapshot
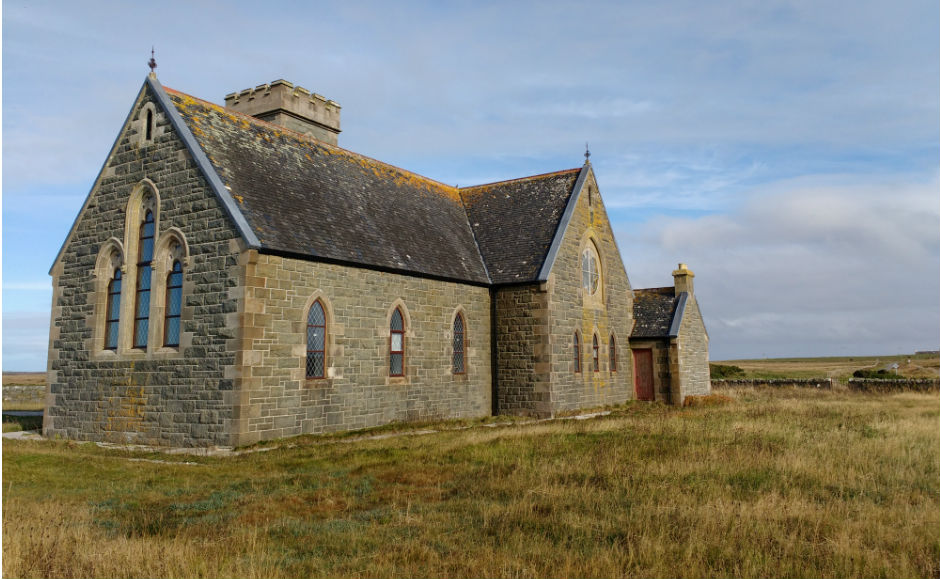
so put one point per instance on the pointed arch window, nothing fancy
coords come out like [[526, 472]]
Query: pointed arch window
[[595, 354], [144, 271], [613, 354], [174, 305], [590, 272], [316, 341], [113, 317], [459, 345], [396, 352], [577, 353]]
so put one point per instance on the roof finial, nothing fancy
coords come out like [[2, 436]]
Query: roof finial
[[152, 64], [587, 154]]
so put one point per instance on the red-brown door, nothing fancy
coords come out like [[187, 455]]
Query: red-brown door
[[643, 374]]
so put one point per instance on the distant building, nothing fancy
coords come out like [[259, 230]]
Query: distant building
[[235, 276]]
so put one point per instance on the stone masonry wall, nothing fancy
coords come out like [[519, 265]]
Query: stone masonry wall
[[168, 396], [609, 311], [275, 399], [523, 355], [694, 373]]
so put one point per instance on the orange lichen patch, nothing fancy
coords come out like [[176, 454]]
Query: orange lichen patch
[[196, 108], [470, 194], [238, 198]]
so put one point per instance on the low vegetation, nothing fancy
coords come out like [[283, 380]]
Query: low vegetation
[[840, 368], [753, 483]]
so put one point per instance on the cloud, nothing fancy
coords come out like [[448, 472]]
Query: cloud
[[809, 266], [25, 341]]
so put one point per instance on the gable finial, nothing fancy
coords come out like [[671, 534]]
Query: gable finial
[[587, 154], [153, 63]]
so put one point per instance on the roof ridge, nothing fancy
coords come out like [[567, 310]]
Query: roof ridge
[[539, 176], [653, 289], [306, 137]]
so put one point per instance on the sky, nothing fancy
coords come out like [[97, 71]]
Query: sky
[[787, 151]]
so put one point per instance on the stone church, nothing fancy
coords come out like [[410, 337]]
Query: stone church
[[235, 276]]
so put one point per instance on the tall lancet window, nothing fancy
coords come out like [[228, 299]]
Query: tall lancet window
[[113, 319], [316, 341], [174, 305], [458, 345], [144, 270], [396, 351]]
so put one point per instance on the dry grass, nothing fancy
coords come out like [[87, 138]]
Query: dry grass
[[781, 483], [24, 378]]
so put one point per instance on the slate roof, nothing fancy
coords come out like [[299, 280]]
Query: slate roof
[[515, 221], [306, 198], [653, 310]]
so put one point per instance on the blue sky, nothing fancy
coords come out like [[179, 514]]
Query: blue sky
[[789, 152]]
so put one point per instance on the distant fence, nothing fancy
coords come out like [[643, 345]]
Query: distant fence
[[855, 384]]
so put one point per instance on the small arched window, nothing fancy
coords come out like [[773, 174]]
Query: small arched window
[[113, 318], [613, 354], [590, 273], [595, 353], [144, 269], [577, 353], [316, 341], [396, 351], [174, 305], [149, 131], [459, 367]]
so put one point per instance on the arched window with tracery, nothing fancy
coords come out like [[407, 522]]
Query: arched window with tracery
[[316, 341], [112, 320], [577, 353], [396, 351], [459, 345], [144, 270], [590, 271], [613, 354], [595, 354], [174, 305]]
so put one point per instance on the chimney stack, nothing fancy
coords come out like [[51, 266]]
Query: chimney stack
[[292, 107], [683, 280]]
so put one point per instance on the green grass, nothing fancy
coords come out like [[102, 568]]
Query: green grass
[[782, 483]]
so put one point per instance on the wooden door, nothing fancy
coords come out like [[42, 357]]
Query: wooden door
[[643, 374]]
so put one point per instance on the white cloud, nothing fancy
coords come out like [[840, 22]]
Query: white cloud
[[810, 264]]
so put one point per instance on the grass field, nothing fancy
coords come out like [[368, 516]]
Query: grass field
[[910, 366], [769, 484]]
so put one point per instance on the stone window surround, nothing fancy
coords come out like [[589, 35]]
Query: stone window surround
[[595, 353], [140, 125], [589, 243], [449, 341], [331, 351], [386, 333], [576, 352], [612, 353], [169, 245]]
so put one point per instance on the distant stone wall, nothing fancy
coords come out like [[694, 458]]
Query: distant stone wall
[[523, 351], [774, 383], [274, 398], [693, 370], [168, 396], [889, 385], [610, 311]]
